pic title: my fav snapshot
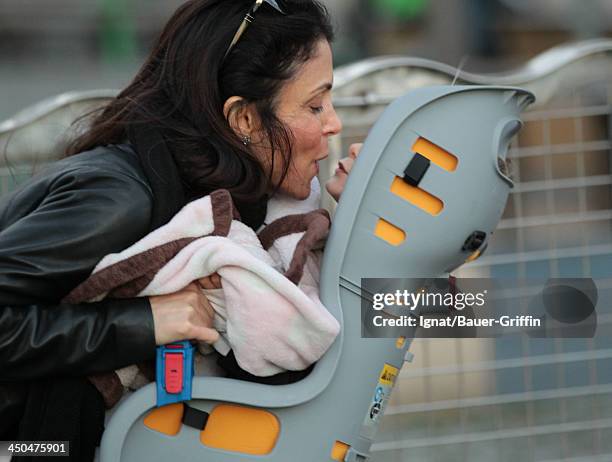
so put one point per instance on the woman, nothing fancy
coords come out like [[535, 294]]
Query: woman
[[214, 106]]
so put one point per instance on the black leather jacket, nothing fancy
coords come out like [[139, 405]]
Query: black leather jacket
[[53, 231]]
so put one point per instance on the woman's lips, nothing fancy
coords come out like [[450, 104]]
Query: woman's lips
[[341, 168]]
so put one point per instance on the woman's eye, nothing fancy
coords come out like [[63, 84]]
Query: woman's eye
[[316, 109]]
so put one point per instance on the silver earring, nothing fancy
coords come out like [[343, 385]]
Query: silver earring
[[246, 140]]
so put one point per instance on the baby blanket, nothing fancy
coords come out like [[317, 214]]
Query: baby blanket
[[268, 310]]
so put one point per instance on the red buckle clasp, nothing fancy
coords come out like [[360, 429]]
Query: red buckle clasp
[[174, 372]]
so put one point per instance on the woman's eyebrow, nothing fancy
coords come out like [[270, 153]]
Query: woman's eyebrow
[[326, 86]]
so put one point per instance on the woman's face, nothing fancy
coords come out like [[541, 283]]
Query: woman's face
[[305, 107]]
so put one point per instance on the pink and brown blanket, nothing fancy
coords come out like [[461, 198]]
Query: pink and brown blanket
[[268, 310]]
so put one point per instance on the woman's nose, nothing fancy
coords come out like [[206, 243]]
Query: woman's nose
[[333, 124]]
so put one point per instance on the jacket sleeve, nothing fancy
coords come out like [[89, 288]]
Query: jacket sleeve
[[82, 216]]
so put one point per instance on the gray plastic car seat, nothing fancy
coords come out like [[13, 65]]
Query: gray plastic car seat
[[428, 188]]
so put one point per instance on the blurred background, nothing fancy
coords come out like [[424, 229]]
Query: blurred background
[[460, 399], [50, 47]]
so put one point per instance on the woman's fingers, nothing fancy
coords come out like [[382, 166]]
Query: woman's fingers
[[206, 335], [205, 310], [206, 283], [211, 282], [183, 315], [191, 288]]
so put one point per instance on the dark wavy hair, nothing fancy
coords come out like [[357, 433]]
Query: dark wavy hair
[[182, 86]]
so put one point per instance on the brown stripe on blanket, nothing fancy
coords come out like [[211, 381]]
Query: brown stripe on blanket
[[152, 260], [127, 278], [223, 210], [315, 226]]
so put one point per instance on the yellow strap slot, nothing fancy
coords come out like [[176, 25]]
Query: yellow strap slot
[[389, 233], [435, 154], [417, 196], [166, 419], [241, 429], [339, 450]]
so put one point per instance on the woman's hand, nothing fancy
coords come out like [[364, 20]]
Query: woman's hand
[[183, 315], [211, 282]]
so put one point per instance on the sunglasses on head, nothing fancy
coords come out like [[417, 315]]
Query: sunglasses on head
[[248, 19]]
